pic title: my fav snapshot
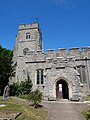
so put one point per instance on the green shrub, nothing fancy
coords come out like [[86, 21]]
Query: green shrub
[[14, 89], [35, 97], [19, 89], [86, 114]]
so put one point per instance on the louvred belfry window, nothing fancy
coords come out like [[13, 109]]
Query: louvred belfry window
[[27, 35]]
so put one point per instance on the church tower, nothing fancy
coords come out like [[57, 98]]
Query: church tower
[[29, 39], [28, 43]]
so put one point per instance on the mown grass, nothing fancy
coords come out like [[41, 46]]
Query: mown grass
[[28, 112]]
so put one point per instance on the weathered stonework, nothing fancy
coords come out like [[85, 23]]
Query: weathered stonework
[[70, 69]]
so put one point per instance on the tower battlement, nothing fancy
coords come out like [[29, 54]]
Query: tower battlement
[[72, 52], [28, 26], [85, 49]]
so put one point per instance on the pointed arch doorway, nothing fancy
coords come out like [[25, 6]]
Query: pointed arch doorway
[[62, 91]]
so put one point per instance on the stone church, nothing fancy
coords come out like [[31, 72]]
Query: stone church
[[58, 75]]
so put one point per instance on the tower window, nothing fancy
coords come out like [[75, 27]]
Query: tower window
[[27, 35], [40, 79]]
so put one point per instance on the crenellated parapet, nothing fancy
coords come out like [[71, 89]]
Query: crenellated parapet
[[62, 53], [56, 58], [28, 26]]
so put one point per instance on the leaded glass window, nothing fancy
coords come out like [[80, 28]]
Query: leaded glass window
[[82, 71]]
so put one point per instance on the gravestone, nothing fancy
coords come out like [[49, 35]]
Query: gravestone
[[6, 93]]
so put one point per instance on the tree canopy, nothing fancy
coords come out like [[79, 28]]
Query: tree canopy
[[6, 69]]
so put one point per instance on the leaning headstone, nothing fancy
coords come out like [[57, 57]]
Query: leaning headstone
[[6, 93]]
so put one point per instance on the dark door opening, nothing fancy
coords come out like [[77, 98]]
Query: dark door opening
[[62, 90]]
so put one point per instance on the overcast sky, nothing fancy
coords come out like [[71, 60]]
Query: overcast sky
[[64, 23]]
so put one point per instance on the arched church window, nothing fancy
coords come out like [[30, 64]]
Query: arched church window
[[25, 51], [82, 71]]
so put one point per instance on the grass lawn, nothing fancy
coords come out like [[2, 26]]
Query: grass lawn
[[20, 105]]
